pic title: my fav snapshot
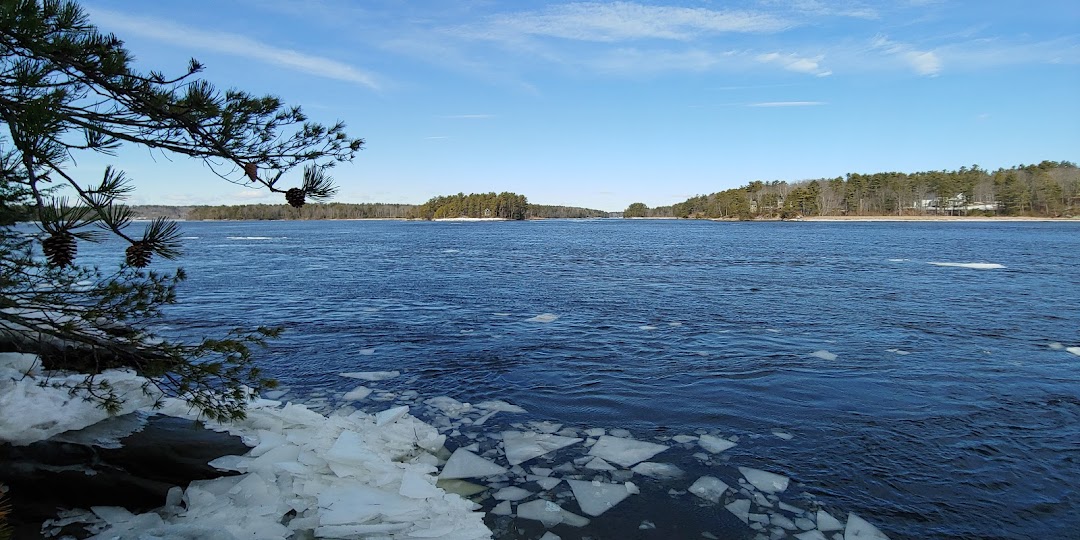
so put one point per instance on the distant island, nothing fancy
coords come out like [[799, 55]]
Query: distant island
[[1050, 189], [509, 206]]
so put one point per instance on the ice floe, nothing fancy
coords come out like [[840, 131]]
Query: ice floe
[[624, 451], [373, 376], [356, 394], [709, 488], [765, 481], [660, 471], [714, 444], [975, 265], [521, 447], [859, 529], [544, 318], [1074, 350], [824, 355], [465, 464], [594, 498]]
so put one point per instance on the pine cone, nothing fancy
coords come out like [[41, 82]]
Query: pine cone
[[60, 249], [252, 171], [295, 197], [138, 254]]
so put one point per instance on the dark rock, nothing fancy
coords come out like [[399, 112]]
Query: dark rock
[[67, 471]]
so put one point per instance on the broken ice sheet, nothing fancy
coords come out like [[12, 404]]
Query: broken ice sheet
[[625, 452], [765, 481], [714, 444], [709, 488], [546, 512], [521, 447], [595, 498], [825, 522], [511, 493], [465, 464], [741, 509], [356, 394], [660, 471]]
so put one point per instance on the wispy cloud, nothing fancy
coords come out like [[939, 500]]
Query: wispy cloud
[[234, 44], [623, 21], [787, 104], [793, 62], [840, 8], [922, 62]]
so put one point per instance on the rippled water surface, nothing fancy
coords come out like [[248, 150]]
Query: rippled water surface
[[947, 411]]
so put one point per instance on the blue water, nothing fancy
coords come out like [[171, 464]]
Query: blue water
[[669, 327]]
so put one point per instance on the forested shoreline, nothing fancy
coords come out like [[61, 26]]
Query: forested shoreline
[[1049, 189], [486, 205]]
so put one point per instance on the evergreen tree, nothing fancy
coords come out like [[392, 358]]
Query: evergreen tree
[[66, 89]]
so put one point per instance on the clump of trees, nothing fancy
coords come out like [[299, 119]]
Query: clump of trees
[[503, 205], [67, 89], [311, 211], [1049, 189]]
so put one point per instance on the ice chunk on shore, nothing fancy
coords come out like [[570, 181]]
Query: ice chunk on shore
[[824, 355], [765, 481], [976, 266], [860, 529], [356, 394], [521, 447], [372, 376], [625, 452], [714, 444], [595, 498], [465, 464], [543, 318], [709, 488]]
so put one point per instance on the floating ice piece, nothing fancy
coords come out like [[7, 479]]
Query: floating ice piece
[[598, 464], [366, 352], [460, 487], [372, 376], [595, 498], [545, 426], [543, 318], [465, 464], [499, 405], [741, 509], [1056, 346], [784, 523], [521, 447], [646, 525], [898, 351], [709, 488], [646, 327], [625, 452], [824, 355], [356, 394], [682, 439], [275, 394], [826, 523], [502, 509], [546, 512], [860, 529], [660, 471], [976, 266], [811, 535], [1074, 350], [783, 435], [448, 405], [620, 432], [714, 444], [550, 536], [547, 483], [595, 432], [709, 536], [512, 493], [764, 480], [389, 416]]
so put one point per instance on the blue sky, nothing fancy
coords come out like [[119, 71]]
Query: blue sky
[[601, 104]]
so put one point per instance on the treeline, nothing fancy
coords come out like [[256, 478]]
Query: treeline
[[506, 205], [503, 205], [307, 212], [1049, 189]]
